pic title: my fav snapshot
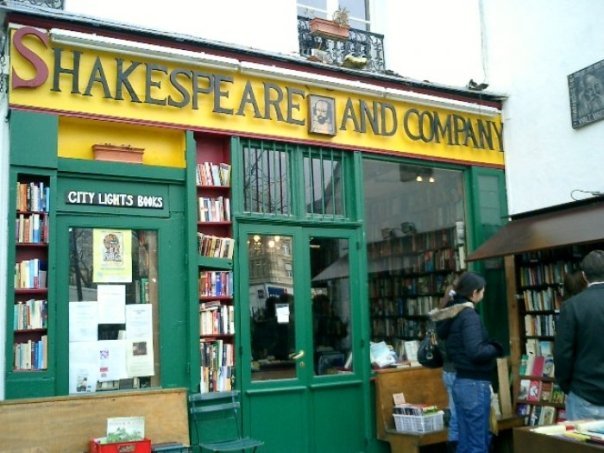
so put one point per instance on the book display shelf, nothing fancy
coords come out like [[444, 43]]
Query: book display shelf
[[540, 294], [30, 308], [215, 254], [407, 279]]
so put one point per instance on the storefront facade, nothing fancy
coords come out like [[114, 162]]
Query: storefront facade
[[297, 208]]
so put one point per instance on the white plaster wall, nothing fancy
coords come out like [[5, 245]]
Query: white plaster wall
[[534, 45], [267, 25], [434, 40]]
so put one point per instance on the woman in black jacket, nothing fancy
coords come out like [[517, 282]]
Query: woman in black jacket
[[473, 355]]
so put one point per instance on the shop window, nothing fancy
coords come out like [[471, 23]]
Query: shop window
[[323, 183], [358, 10], [415, 224], [266, 179], [113, 310]]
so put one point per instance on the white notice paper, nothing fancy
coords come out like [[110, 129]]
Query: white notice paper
[[139, 357], [112, 360], [83, 366], [83, 321], [112, 302], [139, 321]]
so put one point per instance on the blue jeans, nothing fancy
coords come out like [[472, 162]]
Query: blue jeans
[[578, 408], [473, 404], [449, 380]]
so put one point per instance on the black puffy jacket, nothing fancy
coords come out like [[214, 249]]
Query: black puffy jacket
[[467, 341]]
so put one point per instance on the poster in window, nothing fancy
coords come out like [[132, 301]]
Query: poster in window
[[586, 91], [112, 256]]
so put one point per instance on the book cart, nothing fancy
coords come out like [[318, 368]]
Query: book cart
[[539, 250]]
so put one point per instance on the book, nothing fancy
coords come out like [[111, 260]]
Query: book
[[546, 391], [530, 360], [557, 395], [524, 389], [523, 364], [548, 366], [535, 415], [534, 391], [538, 364], [547, 416]]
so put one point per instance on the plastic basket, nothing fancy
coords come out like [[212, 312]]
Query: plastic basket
[[419, 423]]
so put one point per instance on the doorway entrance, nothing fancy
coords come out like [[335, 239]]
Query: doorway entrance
[[300, 322]]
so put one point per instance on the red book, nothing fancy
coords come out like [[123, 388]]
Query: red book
[[534, 392], [538, 366]]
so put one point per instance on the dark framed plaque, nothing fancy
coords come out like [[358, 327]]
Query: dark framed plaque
[[586, 91]]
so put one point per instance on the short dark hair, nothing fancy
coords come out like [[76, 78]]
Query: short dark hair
[[593, 266], [469, 282], [573, 284]]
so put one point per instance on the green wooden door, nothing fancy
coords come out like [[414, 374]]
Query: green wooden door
[[300, 318]]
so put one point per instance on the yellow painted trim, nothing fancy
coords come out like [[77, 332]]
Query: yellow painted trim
[[163, 147]]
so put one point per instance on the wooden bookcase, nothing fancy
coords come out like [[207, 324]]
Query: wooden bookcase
[[538, 294], [215, 262], [30, 308], [407, 278]]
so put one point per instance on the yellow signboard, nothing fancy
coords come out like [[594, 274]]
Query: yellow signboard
[[68, 79]]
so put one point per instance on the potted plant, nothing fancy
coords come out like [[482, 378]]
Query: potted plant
[[118, 153], [337, 28]]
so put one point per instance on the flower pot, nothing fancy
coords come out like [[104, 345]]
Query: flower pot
[[115, 153], [328, 29]]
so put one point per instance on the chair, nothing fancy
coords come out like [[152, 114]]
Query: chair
[[218, 411]]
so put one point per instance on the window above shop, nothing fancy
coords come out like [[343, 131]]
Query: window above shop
[[352, 44]]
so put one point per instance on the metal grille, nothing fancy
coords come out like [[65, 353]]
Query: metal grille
[[360, 43], [266, 178], [56, 4], [324, 183]]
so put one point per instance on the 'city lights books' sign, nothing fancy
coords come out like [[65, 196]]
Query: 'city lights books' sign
[[117, 200]]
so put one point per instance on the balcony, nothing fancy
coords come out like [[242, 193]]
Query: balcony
[[56, 4], [362, 50]]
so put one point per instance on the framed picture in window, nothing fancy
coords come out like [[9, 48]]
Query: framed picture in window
[[586, 91], [322, 115]]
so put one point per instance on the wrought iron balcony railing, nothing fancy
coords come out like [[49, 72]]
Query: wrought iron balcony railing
[[56, 4], [365, 47]]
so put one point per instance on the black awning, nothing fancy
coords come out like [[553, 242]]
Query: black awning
[[573, 223]]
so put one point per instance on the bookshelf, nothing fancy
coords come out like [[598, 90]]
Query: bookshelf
[[407, 278], [215, 246], [30, 307], [539, 294]]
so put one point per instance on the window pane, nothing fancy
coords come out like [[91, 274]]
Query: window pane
[[271, 307], [266, 181], [312, 8], [415, 243], [356, 8], [113, 293], [330, 294], [323, 183]]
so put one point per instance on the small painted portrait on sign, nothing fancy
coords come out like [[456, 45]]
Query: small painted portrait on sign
[[322, 115]]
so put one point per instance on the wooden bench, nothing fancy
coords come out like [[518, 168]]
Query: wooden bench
[[67, 423], [419, 385]]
